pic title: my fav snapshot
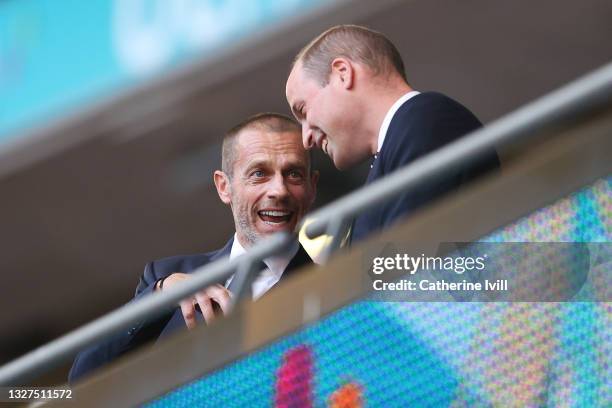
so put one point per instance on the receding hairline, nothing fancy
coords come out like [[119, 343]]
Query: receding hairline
[[385, 59], [270, 122]]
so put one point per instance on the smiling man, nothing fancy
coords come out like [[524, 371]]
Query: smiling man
[[349, 91], [267, 181]]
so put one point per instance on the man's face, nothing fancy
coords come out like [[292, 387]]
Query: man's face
[[328, 114], [271, 187]]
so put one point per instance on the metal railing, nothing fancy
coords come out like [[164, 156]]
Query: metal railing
[[46, 357], [570, 103], [582, 96]]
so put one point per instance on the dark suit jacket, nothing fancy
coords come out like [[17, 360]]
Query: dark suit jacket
[[148, 330], [422, 124]]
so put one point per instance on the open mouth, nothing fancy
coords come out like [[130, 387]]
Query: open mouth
[[275, 217]]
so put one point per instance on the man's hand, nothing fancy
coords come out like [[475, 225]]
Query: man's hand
[[205, 299]]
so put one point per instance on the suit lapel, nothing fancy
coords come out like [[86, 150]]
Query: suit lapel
[[300, 259], [176, 322]]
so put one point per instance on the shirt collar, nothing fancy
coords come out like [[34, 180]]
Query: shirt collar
[[389, 116], [237, 249], [276, 264]]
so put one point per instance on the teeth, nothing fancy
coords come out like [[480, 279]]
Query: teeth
[[275, 213]]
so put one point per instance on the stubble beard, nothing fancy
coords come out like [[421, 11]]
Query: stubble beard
[[246, 230]]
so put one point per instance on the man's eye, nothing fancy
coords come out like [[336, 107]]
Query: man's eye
[[257, 173], [295, 174]]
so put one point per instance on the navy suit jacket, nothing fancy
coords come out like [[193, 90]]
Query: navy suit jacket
[[422, 124], [149, 330]]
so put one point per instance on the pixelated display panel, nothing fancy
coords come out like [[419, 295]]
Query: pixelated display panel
[[394, 354]]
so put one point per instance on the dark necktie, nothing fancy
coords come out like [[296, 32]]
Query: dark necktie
[[248, 280]]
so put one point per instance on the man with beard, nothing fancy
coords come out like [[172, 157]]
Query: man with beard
[[267, 181], [349, 91]]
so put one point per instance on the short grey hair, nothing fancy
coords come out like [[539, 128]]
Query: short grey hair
[[265, 121]]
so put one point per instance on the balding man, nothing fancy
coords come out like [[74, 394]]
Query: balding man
[[267, 181], [349, 90]]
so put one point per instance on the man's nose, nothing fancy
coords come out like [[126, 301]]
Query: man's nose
[[277, 187], [308, 136]]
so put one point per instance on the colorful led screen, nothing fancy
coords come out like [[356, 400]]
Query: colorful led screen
[[404, 354]]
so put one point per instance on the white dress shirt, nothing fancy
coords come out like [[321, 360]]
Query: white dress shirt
[[382, 133], [268, 277]]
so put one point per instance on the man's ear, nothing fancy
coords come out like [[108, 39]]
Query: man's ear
[[342, 69], [224, 189]]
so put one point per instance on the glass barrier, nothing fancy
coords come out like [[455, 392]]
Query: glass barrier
[[374, 353]]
